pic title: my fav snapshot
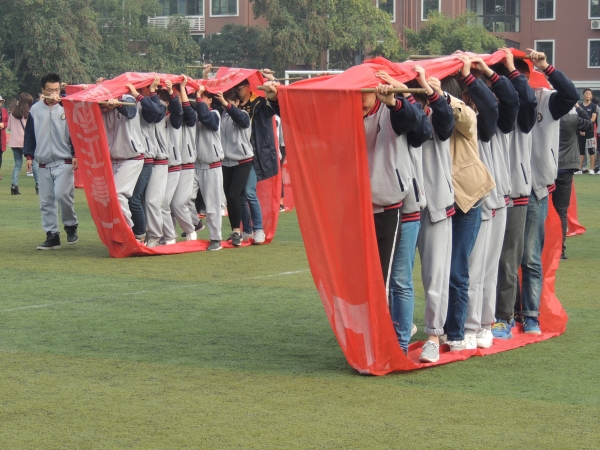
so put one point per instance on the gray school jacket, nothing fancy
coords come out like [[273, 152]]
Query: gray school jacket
[[123, 131], [188, 135], [437, 164], [489, 203], [175, 139], [47, 138], [162, 139], [500, 144], [235, 138], [151, 112], [416, 199], [387, 152], [208, 140]]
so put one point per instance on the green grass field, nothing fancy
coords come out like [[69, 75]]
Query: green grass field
[[232, 349]]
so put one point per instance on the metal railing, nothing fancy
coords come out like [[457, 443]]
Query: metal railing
[[196, 22]]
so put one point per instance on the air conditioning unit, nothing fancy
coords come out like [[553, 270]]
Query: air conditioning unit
[[595, 24]]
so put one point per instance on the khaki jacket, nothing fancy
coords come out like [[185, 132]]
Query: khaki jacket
[[472, 180]]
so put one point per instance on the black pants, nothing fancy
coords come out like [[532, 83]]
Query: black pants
[[282, 150], [387, 230], [234, 181], [561, 198]]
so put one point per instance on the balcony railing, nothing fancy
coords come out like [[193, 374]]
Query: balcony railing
[[497, 23], [196, 22]]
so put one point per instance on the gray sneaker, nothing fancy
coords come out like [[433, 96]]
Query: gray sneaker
[[430, 352], [259, 237], [248, 236], [214, 245]]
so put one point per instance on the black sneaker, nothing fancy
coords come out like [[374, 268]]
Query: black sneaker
[[236, 239], [72, 237], [563, 256], [214, 245], [52, 242]]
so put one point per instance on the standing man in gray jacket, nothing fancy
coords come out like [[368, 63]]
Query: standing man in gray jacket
[[47, 140], [571, 125]]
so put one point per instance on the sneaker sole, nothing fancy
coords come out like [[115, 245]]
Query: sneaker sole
[[538, 332], [485, 345], [428, 360], [504, 338], [258, 243], [214, 249], [56, 247], [72, 243]]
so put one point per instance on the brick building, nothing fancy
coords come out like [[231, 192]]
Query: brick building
[[568, 31]]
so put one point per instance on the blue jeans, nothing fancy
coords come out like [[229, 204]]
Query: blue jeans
[[18, 155], [250, 205], [465, 227], [531, 264], [402, 292], [136, 201]]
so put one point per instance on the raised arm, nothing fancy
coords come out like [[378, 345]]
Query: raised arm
[[566, 95], [442, 118], [205, 117]]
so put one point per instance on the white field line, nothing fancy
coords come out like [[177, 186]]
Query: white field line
[[49, 305]]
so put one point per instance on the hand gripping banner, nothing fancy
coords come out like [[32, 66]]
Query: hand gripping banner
[[325, 143], [91, 148]]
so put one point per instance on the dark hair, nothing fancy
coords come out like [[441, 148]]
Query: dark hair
[[587, 89], [231, 95], [21, 111], [163, 94], [50, 78], [595, 100], [522, 66], [450, 85], [500, 69], [242, 83]]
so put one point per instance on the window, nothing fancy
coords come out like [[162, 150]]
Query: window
[[428, 6], [224, 8], [388, 6], [497, 16], [544, 10], [197, 38], [593, 53], [594, 9], [546, 47], [183, 7]]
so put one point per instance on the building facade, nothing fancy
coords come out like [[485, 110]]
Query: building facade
[[568, 31], [207, 16]]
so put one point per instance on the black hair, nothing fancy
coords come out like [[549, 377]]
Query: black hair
[[231, 95], [587, 89], [50, 78], [500, 69], [450, 85], [522, 66], [242, 83], [595, 100]]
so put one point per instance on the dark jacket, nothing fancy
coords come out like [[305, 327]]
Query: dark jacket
[[570, 126], [266, 159]]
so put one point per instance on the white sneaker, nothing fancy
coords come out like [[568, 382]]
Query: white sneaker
[[456, 346], [259, 237], [484, 338], [430, 352], [170, 241], [153, 242], [413, 330], [591, 172], [579, 172], [191, 237], [470, 342], [247, 236]]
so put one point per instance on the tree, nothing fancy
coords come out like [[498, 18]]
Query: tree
[[442, 35], [48, 36], [170, 49], [236, 46], [300, 31]]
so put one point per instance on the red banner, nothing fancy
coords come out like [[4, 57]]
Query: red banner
[[574, 228], [326, 148], [91, 148]]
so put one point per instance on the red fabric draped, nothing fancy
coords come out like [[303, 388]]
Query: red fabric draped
[[288, 194], [325, 144], [574, 228], [91, 148]]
